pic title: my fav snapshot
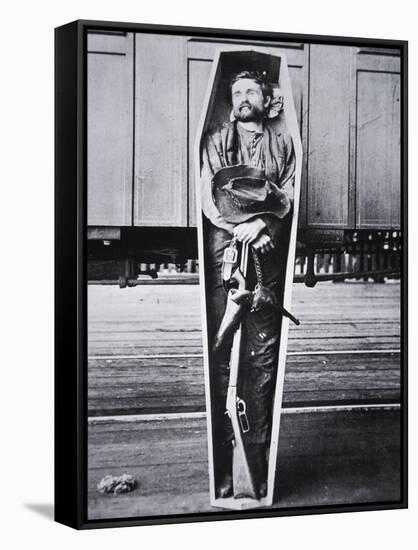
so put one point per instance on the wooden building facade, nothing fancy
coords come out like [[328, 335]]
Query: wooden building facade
[[145, 94]]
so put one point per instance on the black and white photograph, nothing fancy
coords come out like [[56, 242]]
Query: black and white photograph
[[243, 274]]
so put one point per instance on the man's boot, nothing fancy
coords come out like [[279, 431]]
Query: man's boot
[[256, 454], [224, 487]]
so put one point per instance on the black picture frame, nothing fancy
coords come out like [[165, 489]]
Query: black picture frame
[[71, 272]]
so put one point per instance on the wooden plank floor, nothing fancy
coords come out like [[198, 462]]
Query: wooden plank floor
[[324, 458], [135, 386], [166, 319], [145, 357], [149, 326]]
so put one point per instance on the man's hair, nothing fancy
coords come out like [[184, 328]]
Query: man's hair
[[258, 77]]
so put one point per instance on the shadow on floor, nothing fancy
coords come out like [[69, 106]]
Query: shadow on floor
[[45, 510]]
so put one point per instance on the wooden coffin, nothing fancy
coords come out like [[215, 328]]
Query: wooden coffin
[[216, 110]]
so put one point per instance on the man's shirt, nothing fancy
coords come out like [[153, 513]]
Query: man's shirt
[[251, 147]]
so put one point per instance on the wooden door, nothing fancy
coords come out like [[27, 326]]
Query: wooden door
[[200, 54], [109, 128], [160, 182], [329, 142], [378, 153]]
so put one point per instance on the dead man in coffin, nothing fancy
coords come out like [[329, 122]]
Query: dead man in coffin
[[247, 174]]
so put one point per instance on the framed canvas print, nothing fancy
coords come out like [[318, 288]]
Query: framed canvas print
[[231, 288]]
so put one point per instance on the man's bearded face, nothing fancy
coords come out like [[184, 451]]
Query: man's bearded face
[[248, 102]]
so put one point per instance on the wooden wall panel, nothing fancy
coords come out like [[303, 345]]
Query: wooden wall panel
[[329, 123], [378, 150], [160, 184], [110, 129], [199, 71], [299, 79], [108, 41]]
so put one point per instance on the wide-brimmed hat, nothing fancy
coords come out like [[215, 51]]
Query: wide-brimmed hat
[[241, 192]]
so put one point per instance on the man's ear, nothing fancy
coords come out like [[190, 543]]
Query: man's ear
[[267, 101]]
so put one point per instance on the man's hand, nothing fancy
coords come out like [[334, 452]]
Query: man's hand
[[264, 243], [248, 232]]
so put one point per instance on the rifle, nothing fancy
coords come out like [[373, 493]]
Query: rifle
[[243, 482]]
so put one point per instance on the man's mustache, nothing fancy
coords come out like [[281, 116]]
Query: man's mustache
[[248, 105]]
